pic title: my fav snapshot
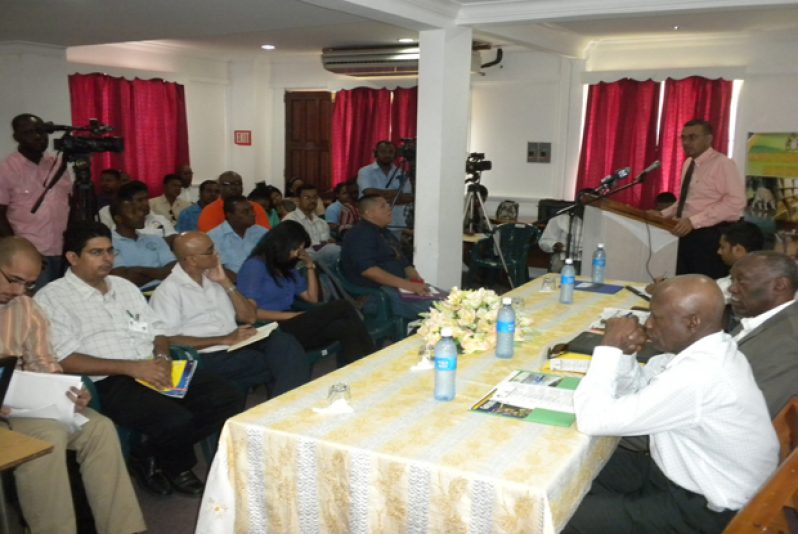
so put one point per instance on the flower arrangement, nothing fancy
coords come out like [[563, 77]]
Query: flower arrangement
[[472, 317]]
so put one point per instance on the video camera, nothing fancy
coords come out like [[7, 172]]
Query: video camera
[[85, 144], [476, 163], [408, 148]]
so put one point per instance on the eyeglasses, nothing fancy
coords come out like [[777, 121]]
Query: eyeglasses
[[13, 280]]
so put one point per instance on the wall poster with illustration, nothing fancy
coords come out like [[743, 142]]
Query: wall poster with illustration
[[771, 184]]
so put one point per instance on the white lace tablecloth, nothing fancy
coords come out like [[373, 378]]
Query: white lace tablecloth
[[404, 462]]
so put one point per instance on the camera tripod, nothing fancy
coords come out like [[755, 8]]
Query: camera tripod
[[474, 206]]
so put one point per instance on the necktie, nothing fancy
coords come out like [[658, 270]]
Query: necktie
[[688, 176]]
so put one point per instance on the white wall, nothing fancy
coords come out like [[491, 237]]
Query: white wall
[[34, 81], [530, 96]]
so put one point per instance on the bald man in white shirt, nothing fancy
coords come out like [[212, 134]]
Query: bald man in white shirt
[[712, 441]]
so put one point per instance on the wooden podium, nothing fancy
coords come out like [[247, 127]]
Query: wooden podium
[[629, 236]]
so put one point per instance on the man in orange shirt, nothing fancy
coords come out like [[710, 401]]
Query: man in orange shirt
[[230, 185]]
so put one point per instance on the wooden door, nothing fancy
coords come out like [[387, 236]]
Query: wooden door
[[307, 137]]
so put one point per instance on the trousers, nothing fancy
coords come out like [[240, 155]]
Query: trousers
[[171, 426], [43, 484], [631, 494], [325, 324]]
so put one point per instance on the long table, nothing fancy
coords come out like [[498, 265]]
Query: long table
[[404, 462]]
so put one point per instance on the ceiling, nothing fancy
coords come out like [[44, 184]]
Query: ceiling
[[294, 26]]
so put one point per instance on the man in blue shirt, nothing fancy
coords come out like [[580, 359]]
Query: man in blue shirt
[[238, 234], [142, 259], [208, 192], [372, 257], [384, 178]]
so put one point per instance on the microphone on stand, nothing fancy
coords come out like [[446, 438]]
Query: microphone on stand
[[616, 176], [653, 167]]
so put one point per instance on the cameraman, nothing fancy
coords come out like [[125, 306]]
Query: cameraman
[[385, 179], [23, 177]]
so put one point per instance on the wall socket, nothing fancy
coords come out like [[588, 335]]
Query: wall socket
[[538, 152]]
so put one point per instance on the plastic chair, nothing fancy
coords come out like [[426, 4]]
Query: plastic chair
[[379, 319], [514, 241]]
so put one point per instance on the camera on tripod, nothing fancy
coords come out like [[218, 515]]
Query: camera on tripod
[[85, 144], [475, 164], [408, 148]]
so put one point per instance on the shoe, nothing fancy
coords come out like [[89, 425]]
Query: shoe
[[186, 482], [149, 476]]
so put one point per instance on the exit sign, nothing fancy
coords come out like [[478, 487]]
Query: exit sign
[[242, 137]]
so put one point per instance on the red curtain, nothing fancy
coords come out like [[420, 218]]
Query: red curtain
[[620, 131], [149, 114], [691, 98], [360, 118], [403, 114]]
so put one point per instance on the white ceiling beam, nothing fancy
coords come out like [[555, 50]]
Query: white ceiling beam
[[550, 10], [537, 37], [416, 15]]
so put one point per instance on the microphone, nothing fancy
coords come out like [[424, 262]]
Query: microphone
[[653, 167], [618, 175]]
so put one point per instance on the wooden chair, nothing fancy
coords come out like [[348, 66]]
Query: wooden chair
[[775, 508]]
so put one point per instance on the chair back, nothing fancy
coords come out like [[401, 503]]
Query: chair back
[[786, 425]]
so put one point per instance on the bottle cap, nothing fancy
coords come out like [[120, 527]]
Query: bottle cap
[[507, 301], [446, 331], [569, 261], [600, 245]]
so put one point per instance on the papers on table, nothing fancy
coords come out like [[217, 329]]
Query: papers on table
[[263, 332], [44, 396], [571, 365], [532, 396]]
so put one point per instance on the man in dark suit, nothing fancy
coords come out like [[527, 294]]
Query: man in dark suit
[[763, 295]]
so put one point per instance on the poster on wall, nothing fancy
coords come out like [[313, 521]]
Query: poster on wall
[[771, 181]]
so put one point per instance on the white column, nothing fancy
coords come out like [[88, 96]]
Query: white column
[[34, 80], [443, 106], [249, 107]]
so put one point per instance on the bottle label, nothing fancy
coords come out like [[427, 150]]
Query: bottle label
[[505, 326], [445, 364], [599, 262], [567, 280]]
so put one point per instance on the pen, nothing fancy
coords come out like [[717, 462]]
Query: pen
[[638, 293]]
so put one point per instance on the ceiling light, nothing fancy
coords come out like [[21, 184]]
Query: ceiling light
[[268, 47], [676, 27], [406, 40]]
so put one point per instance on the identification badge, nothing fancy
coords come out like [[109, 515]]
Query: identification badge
[[138, 326]]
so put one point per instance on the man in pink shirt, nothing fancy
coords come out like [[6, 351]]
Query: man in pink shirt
[[23, 176], [712, 195]]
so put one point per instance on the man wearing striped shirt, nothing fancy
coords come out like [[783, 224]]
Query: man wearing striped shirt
[[43, 484]]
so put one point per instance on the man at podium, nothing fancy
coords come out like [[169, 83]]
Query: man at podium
[[712, 194]]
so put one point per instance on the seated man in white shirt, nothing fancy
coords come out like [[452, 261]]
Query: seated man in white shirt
[[200, 307], [153, 224], [145, 260], [763, 295], [170, 204], [322, 247], [101, 326], [712, 441], [554, 238]]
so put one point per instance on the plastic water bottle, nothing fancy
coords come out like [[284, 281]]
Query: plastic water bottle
[[567, 281], [505, 329], [445, 366], [599, 264]]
